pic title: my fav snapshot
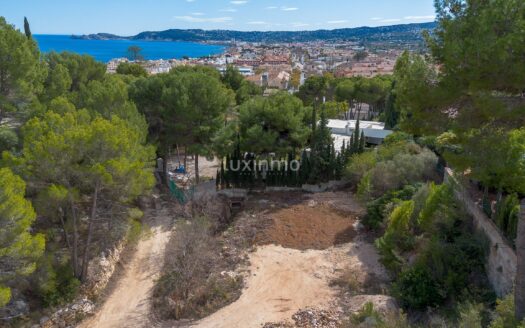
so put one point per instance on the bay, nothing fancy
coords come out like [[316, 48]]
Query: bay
[[105, 50]]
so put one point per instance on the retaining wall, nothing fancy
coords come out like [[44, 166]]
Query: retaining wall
[[501, 264]]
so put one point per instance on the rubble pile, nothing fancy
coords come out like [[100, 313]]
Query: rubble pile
[[67, 316], [309, 318]]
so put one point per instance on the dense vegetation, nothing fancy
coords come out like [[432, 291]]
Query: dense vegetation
[[72, 134]]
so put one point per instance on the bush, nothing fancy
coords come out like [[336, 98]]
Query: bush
[[56, 283], [359, 165], [403, 169], [367, 313], [397, 236], [417, 289], [506, 217], [470, 315], [8, 139], [504, 314], [368, 316], [192, 283], [430, 230], [377, 209], [397, 137]]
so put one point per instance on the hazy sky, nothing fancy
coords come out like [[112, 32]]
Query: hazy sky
[[128, 17]]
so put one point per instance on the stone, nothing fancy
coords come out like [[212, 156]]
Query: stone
[[43, 320]]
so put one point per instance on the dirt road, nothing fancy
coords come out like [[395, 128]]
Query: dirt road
[[128, 305]]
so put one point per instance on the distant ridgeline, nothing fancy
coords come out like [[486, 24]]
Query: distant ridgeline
[[410, 33]]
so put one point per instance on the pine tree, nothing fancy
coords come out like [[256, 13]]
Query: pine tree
[[27, 29], [19, 249]]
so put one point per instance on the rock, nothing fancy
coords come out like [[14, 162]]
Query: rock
[[382, 303], [43, 320], [314, 318], [21, 307], [312, 203], [370, 322]]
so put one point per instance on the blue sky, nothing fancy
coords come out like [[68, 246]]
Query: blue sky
[[128, 17]]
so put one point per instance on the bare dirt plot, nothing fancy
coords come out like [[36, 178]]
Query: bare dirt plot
[[311, 226], [282, 281]]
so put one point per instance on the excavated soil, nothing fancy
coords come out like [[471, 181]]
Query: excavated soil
[[308, 226], [302, 244]]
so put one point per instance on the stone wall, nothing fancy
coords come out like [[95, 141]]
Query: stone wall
[[501, 265]]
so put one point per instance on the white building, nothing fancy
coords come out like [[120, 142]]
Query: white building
[[342, 130]]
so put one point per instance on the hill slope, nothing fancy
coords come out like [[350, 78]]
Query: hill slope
[[406, 33]]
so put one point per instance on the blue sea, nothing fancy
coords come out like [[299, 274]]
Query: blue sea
[[105, 50]]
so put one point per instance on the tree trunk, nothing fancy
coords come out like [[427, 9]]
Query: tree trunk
[[85, 259], [197, 178], [165, 173], [74, 259], [63, 222], [519, 296]]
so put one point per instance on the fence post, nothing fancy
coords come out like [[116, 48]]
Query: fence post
[[519, 296]]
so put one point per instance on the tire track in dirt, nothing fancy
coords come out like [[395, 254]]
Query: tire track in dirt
[[129, 303]]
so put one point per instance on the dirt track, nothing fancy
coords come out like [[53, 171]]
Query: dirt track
[[128, 305]]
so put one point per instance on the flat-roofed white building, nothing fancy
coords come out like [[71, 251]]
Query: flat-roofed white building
[[342, 130]]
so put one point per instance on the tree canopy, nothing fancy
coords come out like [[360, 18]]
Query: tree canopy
[[273, 124], [21, 73], [19, 249]]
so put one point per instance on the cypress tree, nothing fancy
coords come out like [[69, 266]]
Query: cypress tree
[[362, 142], [223, 181], [27, 29], [314, 119], [357, 132]]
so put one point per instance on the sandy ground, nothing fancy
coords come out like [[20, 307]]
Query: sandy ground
[[207, 169], [128, 305], [283, 281], [297, 269]]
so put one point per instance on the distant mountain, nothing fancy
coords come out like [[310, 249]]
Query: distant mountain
[[403, 33]]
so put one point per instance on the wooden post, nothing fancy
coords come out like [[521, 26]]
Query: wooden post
[[519, 296]]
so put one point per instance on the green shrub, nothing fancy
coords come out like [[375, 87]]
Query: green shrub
[[403, 169], [504, 314], [8, 139], [57, 284], [470, 315], [506, 216], [366, 313], [376, 209], [397, 137], [432, 231], [397, 237], [417, 289], [359, 165]]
